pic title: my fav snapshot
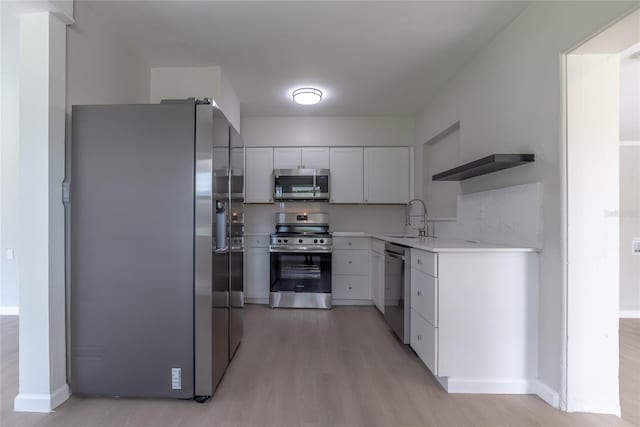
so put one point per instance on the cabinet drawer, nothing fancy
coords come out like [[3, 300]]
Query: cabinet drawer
[[424, 340], [351, 287], [377, 246], [350, 243], [424, 295], [257, 241], [350, 262], [425, 261]]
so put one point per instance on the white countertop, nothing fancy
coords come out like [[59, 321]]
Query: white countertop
[[432, 244]]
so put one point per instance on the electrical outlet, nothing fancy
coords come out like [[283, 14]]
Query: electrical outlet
[[635, 246]]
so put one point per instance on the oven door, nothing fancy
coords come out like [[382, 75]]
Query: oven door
[[308, 272]]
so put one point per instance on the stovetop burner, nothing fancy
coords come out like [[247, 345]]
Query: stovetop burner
[[301, 232]]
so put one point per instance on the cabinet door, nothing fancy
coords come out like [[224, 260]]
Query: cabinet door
[[350, 262], [257, 279], [386, 174], [424, 296], [424, 340], [286, 158], [351, 287], [259, 175], [347, 175], [315, 158]]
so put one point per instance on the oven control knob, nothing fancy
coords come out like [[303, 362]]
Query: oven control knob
[[300, 241], [286, 240], [315, 240], [321, 240], [279, 240]]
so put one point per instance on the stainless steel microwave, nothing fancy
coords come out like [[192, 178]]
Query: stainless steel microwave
[[301, 184]]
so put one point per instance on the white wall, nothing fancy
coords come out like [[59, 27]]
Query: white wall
[[196, 82], [9, 155], [509, 99], [630, 97], [326, 132], [100, 70]]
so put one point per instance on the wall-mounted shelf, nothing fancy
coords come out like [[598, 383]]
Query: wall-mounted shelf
[[483, 166]]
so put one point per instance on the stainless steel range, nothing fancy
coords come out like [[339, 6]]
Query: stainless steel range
[[301, 261]]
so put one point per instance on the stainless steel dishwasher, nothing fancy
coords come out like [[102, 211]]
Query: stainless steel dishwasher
[[397, 290]]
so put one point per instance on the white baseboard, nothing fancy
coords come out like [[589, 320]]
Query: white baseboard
[[547, 394], [41, 402], [9, 311], [501, 386], [630, 314], [487, 385], [595, 408]]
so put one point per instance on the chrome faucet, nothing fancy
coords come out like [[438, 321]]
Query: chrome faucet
[[424, 230]]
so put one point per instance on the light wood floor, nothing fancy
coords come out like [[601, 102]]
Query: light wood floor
[[319, 368]]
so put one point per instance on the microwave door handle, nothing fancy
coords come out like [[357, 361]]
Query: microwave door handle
[[314, 183]]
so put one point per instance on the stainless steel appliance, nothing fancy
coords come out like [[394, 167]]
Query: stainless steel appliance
[[236, 238], [397, 291], [301, 184], [300, 253], [156, 287]]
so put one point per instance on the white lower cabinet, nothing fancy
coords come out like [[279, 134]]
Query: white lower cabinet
[[424, 295], [351, 287], [474, 318], [424, 307], [424, 341], [350, 262], [350, 281], [257, 269]]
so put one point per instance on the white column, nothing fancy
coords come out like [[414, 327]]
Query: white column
[[593, 121], [42, 360]]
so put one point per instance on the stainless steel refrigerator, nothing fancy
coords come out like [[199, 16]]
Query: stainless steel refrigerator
[[155, 292]]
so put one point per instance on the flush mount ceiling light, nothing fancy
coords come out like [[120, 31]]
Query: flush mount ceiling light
[[307, 96]]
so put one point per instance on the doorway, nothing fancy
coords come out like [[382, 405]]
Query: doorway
[[593, 216]]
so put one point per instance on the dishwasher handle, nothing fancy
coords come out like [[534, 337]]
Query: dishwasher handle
[[394, 255]]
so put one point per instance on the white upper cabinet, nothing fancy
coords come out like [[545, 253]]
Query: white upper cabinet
[[315, 158], [387, 172], [301, 157], [259, 176], [287, 157], [347, 175]]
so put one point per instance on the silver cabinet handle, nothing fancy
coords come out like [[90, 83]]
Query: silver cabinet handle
[[419, 293], [350, 287], [349, 262], [349, 243], [419, 337], [419, 261]]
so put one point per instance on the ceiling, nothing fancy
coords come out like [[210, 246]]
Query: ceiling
[[369, 58]]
